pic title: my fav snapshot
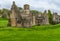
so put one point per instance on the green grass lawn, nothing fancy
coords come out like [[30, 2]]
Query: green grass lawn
[[36, 33]]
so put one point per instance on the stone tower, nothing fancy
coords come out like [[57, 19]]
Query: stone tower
[[13, 15], [26, 17], [26, 9]]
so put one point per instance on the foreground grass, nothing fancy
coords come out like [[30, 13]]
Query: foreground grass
[[36, 33]]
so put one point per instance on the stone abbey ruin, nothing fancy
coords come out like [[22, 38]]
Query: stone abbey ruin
[[27, 19]]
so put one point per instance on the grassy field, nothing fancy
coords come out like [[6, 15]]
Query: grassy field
[[36, 33]]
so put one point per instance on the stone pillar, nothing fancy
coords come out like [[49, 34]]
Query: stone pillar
[[33, 20]]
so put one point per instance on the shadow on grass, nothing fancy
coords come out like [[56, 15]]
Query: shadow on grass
[[46, 27], [34, 28]]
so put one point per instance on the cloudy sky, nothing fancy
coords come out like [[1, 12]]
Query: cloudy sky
[[41, 5]]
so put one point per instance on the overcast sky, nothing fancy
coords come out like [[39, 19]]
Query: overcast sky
[[53, 5]]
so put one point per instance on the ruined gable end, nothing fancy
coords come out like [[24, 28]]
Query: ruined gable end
[[12, 20]]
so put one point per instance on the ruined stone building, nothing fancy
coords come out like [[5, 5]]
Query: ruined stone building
[[56, 18], [26, 19], [5, 13]]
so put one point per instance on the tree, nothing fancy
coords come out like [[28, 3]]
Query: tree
[[0, 11], [50, 17], [34, 12], [20, 8]]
